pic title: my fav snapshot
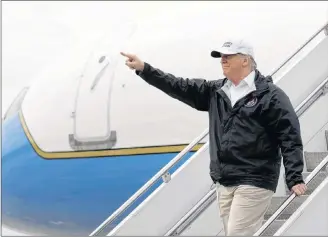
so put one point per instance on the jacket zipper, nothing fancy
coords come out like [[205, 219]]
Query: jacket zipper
[[233, 110]]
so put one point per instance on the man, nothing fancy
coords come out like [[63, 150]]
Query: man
[[252, 123]]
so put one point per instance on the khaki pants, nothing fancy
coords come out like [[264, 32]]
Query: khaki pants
[[242, 208]]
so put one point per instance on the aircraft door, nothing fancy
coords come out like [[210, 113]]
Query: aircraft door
[[91, 115]]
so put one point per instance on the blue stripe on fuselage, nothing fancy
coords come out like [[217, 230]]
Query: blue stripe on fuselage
[[67, 196]]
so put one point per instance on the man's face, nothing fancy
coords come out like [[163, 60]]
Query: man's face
[[232, 65]]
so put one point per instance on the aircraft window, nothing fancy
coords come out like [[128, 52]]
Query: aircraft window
[[102, 59], [16, 104]]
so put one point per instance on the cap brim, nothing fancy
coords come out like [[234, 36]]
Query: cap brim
[[217, 53]]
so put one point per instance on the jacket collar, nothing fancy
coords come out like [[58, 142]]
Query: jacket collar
[[261, 84], [249, 80], [260, 81]]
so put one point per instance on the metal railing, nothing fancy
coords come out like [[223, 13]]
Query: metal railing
[[300, 48], [185, 221], [298, 212], [291, 197], [320, 90], [209, 197], [143, 189], [164, 171]]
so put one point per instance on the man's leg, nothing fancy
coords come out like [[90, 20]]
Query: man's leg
[[224, 196], [247, 210]]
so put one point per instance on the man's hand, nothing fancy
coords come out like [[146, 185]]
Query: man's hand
[[133, 62], [299, 189]]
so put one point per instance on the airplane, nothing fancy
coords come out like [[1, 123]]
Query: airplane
[[88, 133]]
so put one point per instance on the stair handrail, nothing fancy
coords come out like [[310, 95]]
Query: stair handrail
[[178, 157], [190, 216], [150, 182], [300, 48], [298, 212], [307, 102], [291, 197]]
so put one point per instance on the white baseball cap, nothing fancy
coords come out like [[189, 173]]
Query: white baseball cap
[[233, 47]]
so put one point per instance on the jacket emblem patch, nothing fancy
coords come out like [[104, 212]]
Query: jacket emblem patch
[[251, 102]]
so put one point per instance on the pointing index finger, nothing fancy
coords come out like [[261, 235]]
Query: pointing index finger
[[130, 56]]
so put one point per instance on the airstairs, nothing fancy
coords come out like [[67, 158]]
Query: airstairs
[[186, 202]]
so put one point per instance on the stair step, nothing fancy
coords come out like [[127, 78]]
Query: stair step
[[273, 227], [276, 202], [313, 159], [292, 207]]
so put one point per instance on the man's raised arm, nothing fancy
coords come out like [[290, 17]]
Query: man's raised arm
[[194, 92]]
